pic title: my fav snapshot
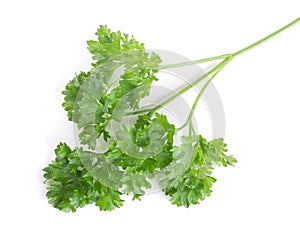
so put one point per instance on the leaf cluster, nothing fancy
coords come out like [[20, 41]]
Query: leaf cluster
[[98, 101]]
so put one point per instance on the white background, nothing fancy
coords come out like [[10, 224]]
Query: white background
[[42, 45]]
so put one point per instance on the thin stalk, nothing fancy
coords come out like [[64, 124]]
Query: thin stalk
[[186, 88], [201, 93], [172, 97], [241, 51], [226, 58], [192, 131], [169, 66], [259, 42], [139, 112]]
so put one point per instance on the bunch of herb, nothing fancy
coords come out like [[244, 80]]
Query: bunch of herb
[[115, 159]]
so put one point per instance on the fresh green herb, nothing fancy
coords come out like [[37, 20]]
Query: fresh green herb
[[116, 158]]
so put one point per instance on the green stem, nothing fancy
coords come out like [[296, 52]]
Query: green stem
[[227, 58], [194, 62], [138, 112], [186, 88], [259, 42], [172, 97], [224, 63]]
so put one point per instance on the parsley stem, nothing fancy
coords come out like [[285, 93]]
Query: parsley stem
[[194, 62], [139, 112], [189, 119], [226, 59], [186, 88], [251, 46], [241, 51], [180, 92]]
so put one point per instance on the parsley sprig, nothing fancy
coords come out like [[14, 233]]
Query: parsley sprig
[[122, 146]]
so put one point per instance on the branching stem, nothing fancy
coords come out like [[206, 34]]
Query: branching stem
[[226, 58]]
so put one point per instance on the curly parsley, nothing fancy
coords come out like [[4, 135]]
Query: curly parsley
[[115, 158]]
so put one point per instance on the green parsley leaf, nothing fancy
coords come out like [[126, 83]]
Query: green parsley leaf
[[89, 94], [188, 178], [71, 186]]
